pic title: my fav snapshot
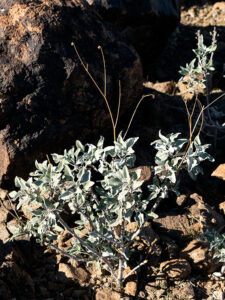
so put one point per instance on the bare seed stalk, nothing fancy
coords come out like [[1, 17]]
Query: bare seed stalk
[[98, 88], [134, 113], [119, 102], [105, 75]]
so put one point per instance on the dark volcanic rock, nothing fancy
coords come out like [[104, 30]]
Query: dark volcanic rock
[[46, 98], [147, 24], [5, 293], [15, 257]]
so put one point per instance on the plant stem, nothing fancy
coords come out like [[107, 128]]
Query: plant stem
[[155, 206], [214, 101], [98, 88], [104, 66], [136, 268], [132, 117], [67, 254], [119, 102], [61, 221], [87, 217], [120, 272]]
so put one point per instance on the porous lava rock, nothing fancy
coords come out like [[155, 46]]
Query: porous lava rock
[[198, 254], [174, 225], [15, 258], [104, 294], [73, 273], [147, 24], [203, 217], [176, 268], [46, 98]]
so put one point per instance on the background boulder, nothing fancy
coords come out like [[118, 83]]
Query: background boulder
[[147, 24], [46, 98]]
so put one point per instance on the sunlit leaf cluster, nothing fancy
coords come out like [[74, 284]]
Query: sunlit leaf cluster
[[217, 244], [195, 73], [174, 154]]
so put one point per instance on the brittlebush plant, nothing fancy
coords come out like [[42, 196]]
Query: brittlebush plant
[[96, 184], [103, 207]]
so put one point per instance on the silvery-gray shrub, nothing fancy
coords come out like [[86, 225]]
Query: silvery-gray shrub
[[103, 207], [196, 72]]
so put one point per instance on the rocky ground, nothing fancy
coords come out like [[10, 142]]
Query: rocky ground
[[180, 265]]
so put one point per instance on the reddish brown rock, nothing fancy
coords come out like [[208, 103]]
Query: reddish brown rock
[[151, 291], [145, 173], [202, 214], [3, 194], [220, 172], [181, 200], [219, 295], [222, 207], [4, 156], [64, 240], [172, 249], [220, 5], [4, 213], [4, 233], [176, 226], [12, 226], [185, 90], [73, 273], [183, 291], [131, 288], [146, 233], [127, 271], [167, 87], [176, 268], [103, 294], [6, 206], [197, 252], [46, 98], [7, 203]]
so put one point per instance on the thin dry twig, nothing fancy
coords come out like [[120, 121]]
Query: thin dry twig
[[104, 66], [132, 117], [119, 102], [98, 88]]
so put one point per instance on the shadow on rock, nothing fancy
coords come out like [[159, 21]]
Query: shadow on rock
[[29, 271]]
